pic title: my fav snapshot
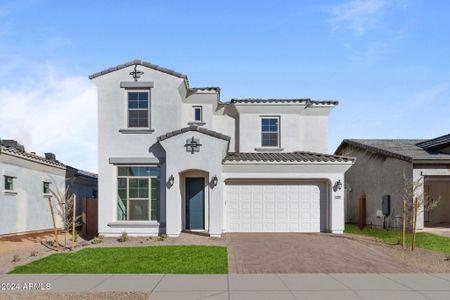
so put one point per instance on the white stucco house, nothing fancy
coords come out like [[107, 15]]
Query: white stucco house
[[27, 181], [174, 158]]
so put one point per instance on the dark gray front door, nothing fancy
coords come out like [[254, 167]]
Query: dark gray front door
[[195, 203]]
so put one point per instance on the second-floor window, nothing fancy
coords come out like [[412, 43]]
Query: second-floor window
[[198, 114], [270, 132], [46, 188], [138, 109], [9, 183]]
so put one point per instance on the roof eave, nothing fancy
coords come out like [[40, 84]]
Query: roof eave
[[373, 149]]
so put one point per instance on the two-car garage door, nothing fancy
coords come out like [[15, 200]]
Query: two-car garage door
[[270, 206]]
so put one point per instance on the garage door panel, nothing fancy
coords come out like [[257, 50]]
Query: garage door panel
[[276, 207]]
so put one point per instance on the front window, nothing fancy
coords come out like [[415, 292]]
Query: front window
[[9, 183], [138, 193], [198, 113], [46, 188], [138, 109], [270, 132]]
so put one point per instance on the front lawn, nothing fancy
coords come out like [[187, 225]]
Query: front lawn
[[137, 260], [423, 240]]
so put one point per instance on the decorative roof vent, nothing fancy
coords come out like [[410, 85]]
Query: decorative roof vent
[[50, 156]]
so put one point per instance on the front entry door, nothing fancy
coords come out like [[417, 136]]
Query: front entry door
[[195, 203]]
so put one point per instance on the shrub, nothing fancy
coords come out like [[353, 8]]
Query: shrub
[[123, 238], [97, 240], [15, 258], [33, 253]]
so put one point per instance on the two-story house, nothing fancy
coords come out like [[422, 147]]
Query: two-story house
[[174, 158]]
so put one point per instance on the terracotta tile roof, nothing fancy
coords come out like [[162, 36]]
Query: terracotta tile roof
[[30, 156], [193, 128], [294, 100], [404, 149], [285, 157], [142, 63], [205, 88]]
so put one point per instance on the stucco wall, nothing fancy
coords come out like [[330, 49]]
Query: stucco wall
[[209, 160], [301, 128], [165, 110], [376, 176], [28, 210]]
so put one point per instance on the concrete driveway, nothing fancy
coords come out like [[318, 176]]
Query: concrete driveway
[[306, 253]]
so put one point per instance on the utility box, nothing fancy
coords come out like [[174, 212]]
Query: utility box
[[386, 205]]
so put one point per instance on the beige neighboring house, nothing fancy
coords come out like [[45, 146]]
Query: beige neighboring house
[[378, 171], [26, 180]]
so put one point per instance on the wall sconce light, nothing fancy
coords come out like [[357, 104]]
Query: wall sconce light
[[338, 185], [214, 180], [171, 180]]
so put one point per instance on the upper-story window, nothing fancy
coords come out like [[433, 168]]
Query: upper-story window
[[46, 188], [198, 114], [270, 132], [9, 183], [138, 109]]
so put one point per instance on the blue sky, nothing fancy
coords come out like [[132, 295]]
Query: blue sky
[[387, 62]]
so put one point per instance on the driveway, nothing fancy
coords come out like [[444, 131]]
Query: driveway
[[307, 253]]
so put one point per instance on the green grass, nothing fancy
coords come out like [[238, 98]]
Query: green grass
[[136, 260], [423, 239]]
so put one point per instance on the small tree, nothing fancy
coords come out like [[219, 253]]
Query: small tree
[[65, 207], [415, 201]]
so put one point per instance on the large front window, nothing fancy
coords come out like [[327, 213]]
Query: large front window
[[138, 109], [138, 193], [270, 132]]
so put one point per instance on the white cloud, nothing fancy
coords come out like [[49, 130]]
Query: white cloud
[[357, 15], [56, 115]]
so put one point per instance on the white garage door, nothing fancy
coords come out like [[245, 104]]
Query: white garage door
[[276, 207]]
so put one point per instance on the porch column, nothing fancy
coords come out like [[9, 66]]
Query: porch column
[[173, 203], [337, 205]]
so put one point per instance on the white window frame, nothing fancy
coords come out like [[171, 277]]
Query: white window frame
[[201, 113], [278, 131], [128, 108], [149, 178]]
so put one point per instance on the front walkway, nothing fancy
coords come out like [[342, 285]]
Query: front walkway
[[238, 286], [442, 229]]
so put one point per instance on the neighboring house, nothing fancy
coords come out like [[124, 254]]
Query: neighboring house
[[82, 184], [175, 158], [379, 170], [26, 183]]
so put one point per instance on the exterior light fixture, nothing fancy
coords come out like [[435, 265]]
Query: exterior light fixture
[[214, 180], [171, 180], [338, 185]]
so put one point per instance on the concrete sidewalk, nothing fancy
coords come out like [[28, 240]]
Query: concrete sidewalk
[[246, 286]]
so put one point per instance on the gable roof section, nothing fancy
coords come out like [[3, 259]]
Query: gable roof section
[[31, 156], [295, 100], [141, 63], [193, 128], [436, 143], [404, 149], [297, 156]]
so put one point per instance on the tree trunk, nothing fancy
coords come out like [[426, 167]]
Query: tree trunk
[[404, 226], [65, 222], [74, 215], [54, 223], [416, 209]]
